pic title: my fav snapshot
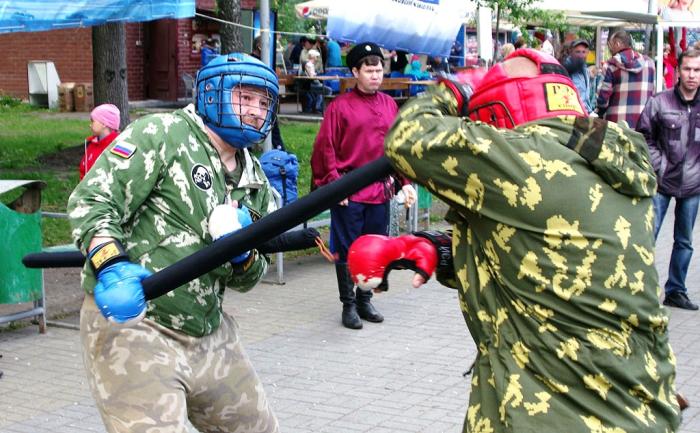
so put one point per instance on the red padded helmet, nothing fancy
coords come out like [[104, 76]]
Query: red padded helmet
[[507, 102]]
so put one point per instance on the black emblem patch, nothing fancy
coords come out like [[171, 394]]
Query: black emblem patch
[[201, 177]]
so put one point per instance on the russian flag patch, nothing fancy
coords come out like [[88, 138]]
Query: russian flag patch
[[124, 149]]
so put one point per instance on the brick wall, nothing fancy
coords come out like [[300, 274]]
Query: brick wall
[[71, 52], [69, 49], [135, 61], [187, 61]]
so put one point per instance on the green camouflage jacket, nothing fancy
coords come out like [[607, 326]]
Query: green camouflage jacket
[[554, 261], [153, 189]]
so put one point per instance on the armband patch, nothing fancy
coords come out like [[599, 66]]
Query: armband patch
[[124, 149], [106, 254], [240, 268]]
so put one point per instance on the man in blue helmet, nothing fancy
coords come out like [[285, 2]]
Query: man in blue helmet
[[168, 186]]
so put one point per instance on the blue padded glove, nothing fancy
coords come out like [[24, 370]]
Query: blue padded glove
[[225, 220], [119, 293], [245, 220]]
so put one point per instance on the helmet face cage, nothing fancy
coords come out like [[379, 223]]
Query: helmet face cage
[[232, 102], [236, 94]]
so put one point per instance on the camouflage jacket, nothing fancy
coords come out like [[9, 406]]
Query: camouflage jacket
[[153, 189], [554, 261]]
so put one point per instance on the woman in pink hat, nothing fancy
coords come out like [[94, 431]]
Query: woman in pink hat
[[104, 123]]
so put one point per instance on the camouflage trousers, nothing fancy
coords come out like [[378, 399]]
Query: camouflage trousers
[[150, 379]]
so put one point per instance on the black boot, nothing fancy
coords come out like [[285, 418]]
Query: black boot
[[365, 308], [346, 288]]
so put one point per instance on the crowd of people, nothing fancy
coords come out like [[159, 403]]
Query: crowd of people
[[331, 54], [615, 90], [561, 300], [330, 57]]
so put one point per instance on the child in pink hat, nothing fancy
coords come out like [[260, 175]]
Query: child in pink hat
[[104, 123]]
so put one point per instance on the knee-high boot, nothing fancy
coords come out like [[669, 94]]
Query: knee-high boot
[[365, 308], [346, 288]]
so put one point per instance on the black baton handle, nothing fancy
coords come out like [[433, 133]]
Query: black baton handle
[[291, 215], [288, 241]]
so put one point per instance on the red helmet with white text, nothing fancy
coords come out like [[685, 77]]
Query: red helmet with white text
[[507, 100]]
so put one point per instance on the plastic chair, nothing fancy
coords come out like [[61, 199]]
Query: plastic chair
[[416, 89], [397, 93], [188, 81], [333, 84]]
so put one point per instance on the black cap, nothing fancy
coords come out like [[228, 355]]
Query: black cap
[[360, 51], [580, 42]]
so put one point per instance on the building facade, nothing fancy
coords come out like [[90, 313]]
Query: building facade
[[158, 53]]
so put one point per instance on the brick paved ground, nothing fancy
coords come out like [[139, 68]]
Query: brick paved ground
[[404, 375]]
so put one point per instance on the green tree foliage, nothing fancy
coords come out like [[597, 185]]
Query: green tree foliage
[[522, 14], [289, 22]]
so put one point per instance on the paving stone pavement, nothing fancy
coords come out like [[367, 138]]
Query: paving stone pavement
[[404, 375]]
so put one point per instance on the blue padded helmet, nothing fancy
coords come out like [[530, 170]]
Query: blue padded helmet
[[217, 79]]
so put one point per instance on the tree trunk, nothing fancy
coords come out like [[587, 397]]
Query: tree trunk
[[231, 39], [109, 68]]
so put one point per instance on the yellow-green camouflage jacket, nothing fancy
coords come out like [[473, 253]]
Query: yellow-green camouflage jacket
[[153, 189], [554, 260]]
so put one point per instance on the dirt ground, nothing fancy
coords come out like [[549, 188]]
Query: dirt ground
[[63, 293], [64, 161]]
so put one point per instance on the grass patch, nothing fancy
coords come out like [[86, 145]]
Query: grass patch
[[8, 101], [26, 134], [299, 139]]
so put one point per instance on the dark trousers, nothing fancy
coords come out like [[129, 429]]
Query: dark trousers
[[686, 211], [356, 219], [314, 102]]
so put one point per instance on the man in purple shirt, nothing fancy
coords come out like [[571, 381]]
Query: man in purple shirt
[[351, 135]]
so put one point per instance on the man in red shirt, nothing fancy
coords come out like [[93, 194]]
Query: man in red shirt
[[351, 135]]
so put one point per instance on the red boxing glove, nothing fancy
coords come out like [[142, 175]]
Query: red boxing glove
[[461, 88], [372, 257]]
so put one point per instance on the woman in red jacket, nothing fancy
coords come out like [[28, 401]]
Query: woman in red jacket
[[104, 123]]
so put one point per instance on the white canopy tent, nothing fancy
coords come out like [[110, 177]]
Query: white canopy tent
[[661, 25], [601, 12], [626, 13], [621, 13], [591, 13]]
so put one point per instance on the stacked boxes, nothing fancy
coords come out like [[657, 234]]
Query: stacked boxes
[[65, 97], [75, 97], [83, 98]]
